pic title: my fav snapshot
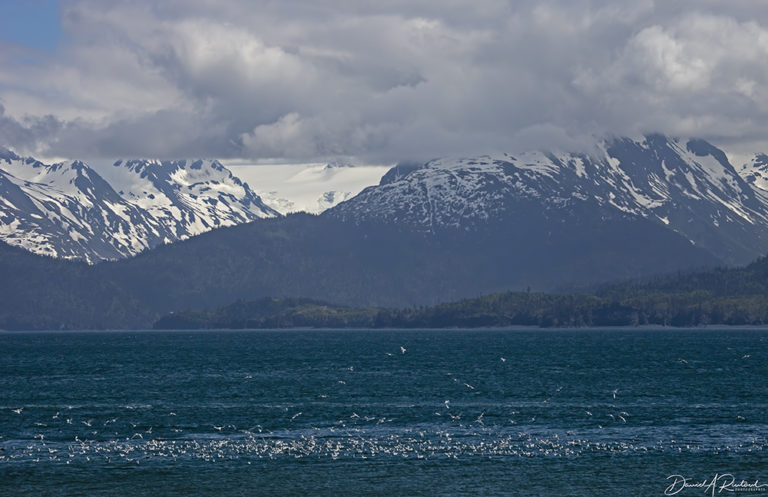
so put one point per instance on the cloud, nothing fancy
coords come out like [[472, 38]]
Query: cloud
[[385, 81]]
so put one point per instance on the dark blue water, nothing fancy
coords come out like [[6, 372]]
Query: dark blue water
[[574, 412]]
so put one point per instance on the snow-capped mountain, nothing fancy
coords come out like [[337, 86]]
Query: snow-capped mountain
[[194, 196], [67, 210], [687, 186]]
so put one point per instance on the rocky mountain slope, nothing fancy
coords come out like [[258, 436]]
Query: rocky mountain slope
[[685, 186], [67, 210]]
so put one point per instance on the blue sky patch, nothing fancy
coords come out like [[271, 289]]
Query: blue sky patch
[[33, 23]]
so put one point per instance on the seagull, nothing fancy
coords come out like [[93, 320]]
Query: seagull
[[503, 360], [88, 423], [18, 411], [623, 420], [295, 416], [746, 356], [469, 386], [588, 413], [615, 392], [402, 349], [447, 404], [218, 428]]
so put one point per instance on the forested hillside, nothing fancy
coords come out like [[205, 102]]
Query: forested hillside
[[719, 297]]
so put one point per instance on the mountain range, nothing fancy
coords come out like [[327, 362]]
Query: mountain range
[[426, 234], [73, 211], [67, 210], [685, 186]]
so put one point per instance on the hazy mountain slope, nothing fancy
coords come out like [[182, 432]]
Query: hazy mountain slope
[[372, 264], [725, 296], [41, 292]]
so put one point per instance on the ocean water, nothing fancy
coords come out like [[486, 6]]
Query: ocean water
[[385, 412]]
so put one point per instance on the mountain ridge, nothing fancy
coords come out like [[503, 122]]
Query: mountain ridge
[[69, 210], [687, 186]]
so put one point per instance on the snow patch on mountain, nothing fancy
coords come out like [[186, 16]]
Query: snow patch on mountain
[[755, 172]]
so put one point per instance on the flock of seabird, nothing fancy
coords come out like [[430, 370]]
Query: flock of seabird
[[342, 439]]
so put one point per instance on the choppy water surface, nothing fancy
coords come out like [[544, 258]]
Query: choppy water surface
[[418, 412]]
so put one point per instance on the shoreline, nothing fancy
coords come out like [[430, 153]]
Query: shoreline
[[711, 327]]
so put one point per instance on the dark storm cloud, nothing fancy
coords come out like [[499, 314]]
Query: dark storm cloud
[[386, 80]]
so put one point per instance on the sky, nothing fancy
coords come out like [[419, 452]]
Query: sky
[[376, 82]]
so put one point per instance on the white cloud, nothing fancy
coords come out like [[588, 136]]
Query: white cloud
[[384, 81]]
